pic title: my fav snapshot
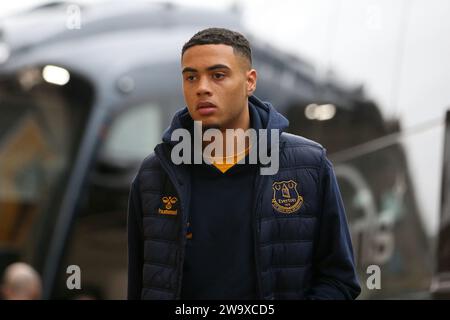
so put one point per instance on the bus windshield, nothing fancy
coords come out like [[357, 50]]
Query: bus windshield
[[40, 131]]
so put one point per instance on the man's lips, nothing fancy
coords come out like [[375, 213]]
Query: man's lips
[[206, 108]]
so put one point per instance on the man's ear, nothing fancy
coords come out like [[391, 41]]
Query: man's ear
[[251, 81]]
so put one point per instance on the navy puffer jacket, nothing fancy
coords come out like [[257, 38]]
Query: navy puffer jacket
[[302, 244]]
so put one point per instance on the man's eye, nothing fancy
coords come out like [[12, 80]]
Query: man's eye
[[190, 78], [218, 75]]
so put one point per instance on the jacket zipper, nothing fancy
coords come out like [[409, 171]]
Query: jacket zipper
[[256, 234]]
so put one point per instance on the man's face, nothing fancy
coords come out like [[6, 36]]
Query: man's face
[[216, 85]]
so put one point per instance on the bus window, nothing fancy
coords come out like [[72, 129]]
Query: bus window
[[98, 244], [40, 128], [134, 134]]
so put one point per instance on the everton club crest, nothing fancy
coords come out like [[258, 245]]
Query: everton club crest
[[286, 198]]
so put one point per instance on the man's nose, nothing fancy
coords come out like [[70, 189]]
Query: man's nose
[[203, 87]]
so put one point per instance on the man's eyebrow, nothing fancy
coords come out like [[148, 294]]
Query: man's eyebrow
[[214, 67], [188, 69], [218, 66]]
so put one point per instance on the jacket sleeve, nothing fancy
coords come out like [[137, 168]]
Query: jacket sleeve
[[135, 244], [334, 272]]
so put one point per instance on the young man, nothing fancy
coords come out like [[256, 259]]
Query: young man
[[222, 229]]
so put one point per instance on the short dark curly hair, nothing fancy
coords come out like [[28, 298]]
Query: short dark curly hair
[[228, 37]]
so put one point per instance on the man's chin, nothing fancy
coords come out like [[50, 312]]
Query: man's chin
[[209, 125]]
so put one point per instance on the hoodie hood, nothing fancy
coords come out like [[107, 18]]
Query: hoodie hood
[[269, 118]]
